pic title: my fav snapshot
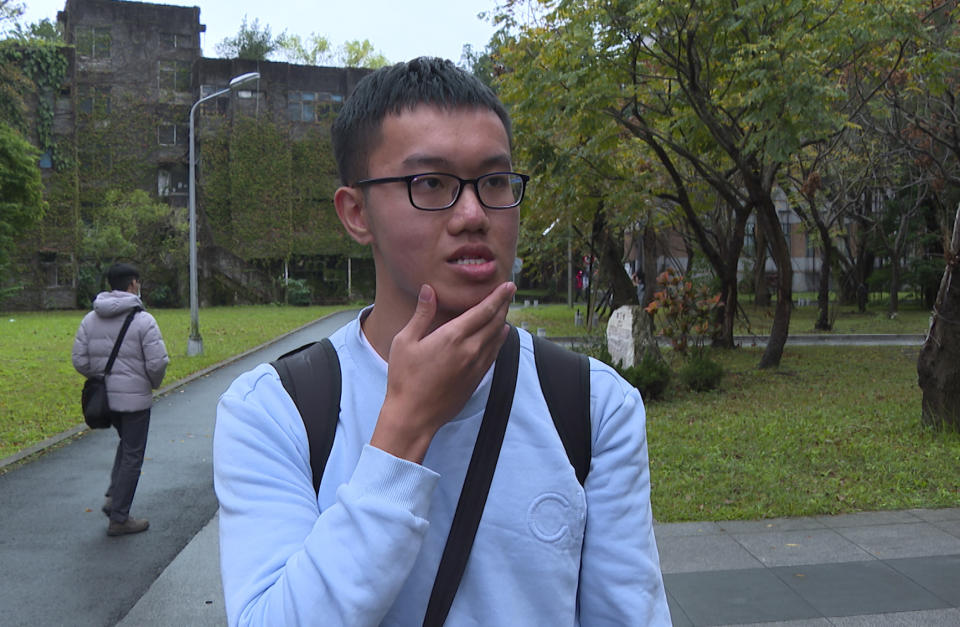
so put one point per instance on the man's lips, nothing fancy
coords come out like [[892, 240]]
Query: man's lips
[[474, 255]]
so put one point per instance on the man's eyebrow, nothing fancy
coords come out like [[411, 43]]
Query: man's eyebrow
[[441, 163]]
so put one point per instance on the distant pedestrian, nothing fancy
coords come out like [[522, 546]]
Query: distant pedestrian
[[139, 368]]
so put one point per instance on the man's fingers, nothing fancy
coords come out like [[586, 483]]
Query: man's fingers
[[490, 309], [423, 315]]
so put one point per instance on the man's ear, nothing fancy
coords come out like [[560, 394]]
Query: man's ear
[[349, 203]]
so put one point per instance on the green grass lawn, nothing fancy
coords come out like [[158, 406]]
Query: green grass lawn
[[834, 429], [40, 390], [558, 319]]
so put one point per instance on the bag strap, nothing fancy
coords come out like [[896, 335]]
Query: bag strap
[[565, 383], [116, 345], [476, 485], [311, 376]]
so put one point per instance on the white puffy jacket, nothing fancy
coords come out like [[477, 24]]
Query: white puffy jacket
[[142, 360]]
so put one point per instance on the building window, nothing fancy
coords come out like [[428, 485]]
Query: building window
[[215, 106], [173, 75], [172, 181], [328, 103], [93, 100], [301, 106], [93, 42], [172, 134], [176, 40], [46, 160], [308, 106]]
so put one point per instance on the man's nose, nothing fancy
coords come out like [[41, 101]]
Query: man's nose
[[469, 209]]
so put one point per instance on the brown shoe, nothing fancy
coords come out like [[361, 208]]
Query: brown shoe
[[130, 525]]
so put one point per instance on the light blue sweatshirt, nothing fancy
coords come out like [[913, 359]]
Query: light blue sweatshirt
[[365, 550]]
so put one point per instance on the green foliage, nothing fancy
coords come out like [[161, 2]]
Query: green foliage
[[299, 292], [356, 53], [267, 196], [21, 191], [651, 376], [31, 67], [251, 42], [131, 226], [315, 50], [687, 312], [701, 374]]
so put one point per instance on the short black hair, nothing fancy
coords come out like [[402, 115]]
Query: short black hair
[[397, 88], [121, 275]]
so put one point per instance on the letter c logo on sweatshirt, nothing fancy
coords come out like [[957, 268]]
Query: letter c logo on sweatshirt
[[549, 517]]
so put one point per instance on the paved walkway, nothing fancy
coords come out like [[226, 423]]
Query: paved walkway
[[59, 568]]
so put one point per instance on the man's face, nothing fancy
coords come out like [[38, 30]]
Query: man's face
[[464, 251]]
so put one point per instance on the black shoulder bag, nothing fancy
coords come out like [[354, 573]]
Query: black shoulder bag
[[93, 398]]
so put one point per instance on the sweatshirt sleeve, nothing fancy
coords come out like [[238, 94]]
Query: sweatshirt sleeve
[[620, 580], [283, 562]]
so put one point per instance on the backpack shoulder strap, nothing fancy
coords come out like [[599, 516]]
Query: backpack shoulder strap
[[565, 382], [119, 340], [311, 376]]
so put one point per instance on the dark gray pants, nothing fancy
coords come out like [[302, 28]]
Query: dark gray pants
[[132, 428]]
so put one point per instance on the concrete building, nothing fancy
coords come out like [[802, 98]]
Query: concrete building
[[121, 121]]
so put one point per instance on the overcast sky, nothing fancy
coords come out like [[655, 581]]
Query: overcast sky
[[399, 29]]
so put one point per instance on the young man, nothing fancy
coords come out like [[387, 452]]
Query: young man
[[139, 368], [424, 153]]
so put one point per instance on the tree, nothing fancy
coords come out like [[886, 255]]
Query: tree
[[358, 53], [129, 225], [10, 12], [251, 42], [21, 191], [733, 90], [938, 367], [315, 50]]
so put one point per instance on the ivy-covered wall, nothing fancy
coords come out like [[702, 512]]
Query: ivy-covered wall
[[34, 76], [268, 198]]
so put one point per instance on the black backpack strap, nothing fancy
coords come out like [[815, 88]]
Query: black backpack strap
[[311, 376], [476, 485], [565, 382], [119, 341]]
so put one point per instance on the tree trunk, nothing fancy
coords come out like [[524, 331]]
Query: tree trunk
[[728, 313], [894, 305], [938, 367], [767, 218], [649, 263], [761, 296], [823, 291]]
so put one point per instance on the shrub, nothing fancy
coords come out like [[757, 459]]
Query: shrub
[[298, 292], [687, 310], [701, 374], [651, 376]]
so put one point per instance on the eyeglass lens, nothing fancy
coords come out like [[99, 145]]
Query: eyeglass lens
[[439, 191]]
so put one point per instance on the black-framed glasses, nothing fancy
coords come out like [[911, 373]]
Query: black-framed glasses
[[433, 191]]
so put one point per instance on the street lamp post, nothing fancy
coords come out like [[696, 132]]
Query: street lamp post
[[195, 342]]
